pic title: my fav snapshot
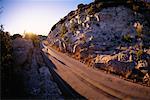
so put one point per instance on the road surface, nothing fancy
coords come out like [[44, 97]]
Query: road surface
[[91, 83]]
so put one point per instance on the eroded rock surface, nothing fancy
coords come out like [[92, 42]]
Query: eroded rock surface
[[110, 35], [30, 67]]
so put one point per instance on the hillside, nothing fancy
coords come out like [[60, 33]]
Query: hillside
[[112, 36]]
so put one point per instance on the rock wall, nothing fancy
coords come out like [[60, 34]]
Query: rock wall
[[104, 32]]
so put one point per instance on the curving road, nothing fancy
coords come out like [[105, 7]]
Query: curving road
[[91, 83]]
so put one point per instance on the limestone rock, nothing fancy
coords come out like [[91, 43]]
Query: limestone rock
[[112, 31]]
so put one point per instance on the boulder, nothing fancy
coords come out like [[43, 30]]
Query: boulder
[[143, 66], [146, 79], [122, 68]]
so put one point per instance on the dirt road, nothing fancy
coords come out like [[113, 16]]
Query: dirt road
[[91, 83]]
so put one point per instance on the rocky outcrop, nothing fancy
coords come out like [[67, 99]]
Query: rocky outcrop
[[37, 80], [22, 50], [111, 35]]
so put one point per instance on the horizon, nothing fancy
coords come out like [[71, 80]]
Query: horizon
[[35, 16]]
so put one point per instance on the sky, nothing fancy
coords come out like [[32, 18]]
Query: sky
[[36, 16]]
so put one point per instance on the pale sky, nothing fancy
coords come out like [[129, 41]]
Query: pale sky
[[37, 16]]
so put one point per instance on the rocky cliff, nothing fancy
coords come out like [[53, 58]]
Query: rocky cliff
[[110, 35]]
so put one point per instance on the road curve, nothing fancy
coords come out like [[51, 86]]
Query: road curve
[[91, 83]]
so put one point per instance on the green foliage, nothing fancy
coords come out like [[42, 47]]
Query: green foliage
[[139, 35], [98, 5], [71, 15], [6, 44], [91, 9], [139, 54], [5, 62], [35, 39], [139, 30], [63, 30], [80, 6], [54, 26], [16, 36], [127, 38]]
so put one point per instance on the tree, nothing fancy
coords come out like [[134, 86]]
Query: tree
[[6, 62], [16, 36], [35, 38]]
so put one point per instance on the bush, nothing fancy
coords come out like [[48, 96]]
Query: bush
[[91, 9], [16, 36], [74, 26], [53, 27], [6, 63], [35, 39], [80, 6], [127, 38], [63, 30], [139, 54]]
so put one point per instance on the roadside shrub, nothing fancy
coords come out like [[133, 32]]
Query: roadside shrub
[[98, 5], [35, 39], [6, 63]]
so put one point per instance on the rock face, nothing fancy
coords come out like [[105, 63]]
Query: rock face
[[22, 50], [38, 80], [35, 75], [114, 35]]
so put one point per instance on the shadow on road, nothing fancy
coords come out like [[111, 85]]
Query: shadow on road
[[60, 61], [67, 91]]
